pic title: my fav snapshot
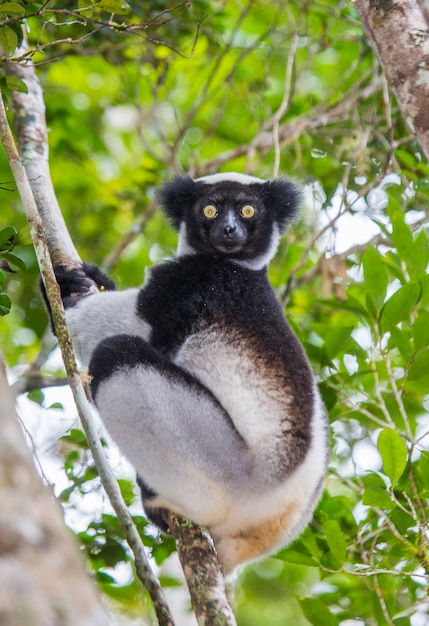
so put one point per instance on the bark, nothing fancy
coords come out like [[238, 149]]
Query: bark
[[202, 572], [42, 577], [399, 33], [424, 4], [31, 131]]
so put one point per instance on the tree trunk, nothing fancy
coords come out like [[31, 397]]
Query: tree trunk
[[399, 33], [42, 577]]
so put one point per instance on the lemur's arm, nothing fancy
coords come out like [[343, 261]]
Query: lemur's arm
[[92, 318]]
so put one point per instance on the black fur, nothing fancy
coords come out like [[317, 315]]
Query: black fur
[[157, 516], [75, 283]]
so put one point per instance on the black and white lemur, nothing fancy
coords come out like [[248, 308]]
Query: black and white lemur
[[198, 378]]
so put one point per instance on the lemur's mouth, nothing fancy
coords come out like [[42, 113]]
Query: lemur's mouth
[[229, 246], [229, 243]]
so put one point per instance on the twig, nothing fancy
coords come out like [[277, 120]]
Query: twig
[[32, 380]]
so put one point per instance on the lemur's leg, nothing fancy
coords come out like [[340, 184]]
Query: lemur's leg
[[171, 428]]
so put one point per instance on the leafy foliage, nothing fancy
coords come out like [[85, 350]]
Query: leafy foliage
[[138, 91], [7, 258]]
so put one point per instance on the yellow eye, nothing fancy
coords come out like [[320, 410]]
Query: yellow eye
[[247, 211], [210, 211]]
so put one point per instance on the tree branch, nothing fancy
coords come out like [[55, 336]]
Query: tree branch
[[53, 294], [30, 125], [31, 130], [205, 582]]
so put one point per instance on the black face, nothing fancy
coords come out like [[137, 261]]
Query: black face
[[231, 220]]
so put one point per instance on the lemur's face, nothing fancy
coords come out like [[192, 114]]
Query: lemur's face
[[228, 219], [229, 215]]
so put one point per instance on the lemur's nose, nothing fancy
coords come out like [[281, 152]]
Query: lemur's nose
[[228, 229]]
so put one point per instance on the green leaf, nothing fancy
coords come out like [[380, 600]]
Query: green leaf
[[401, 232], [317, 613], [57, 405], [16, 84], [394, 453], [8, 39], [76, 437], [114, 6], [419, 263], [7, 238], [375, 275], [377, 497], [14, 260], [424, 285], [421, 330], [424, 467], [12, 9], [5, 304], [420, 366], [299, 558], [308, 539], [337, 340], [127, 490], [399, 306], [400, 339], [336, 541], [36, 395], [409, 160]]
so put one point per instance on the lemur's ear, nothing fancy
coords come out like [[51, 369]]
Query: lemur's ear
[[282, 197], [176, 196]]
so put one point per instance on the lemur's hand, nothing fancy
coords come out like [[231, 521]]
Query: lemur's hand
[[79, 281], [76, 283]]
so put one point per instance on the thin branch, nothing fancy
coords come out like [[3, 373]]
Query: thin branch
[[195, 547], [32, 380], [80, 16], [281, 111]]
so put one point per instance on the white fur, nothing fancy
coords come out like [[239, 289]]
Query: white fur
[[235, 177], [183, 245], [168, 445], [262, 260], [103, 315], [186, 450], [224, 365]]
